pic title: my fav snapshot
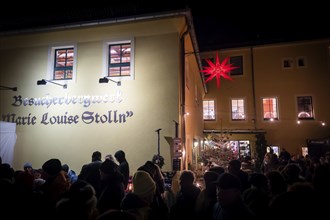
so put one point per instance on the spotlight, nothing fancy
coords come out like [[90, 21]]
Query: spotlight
[[41, 82], [44, 82], [8, 88], [106, 80]]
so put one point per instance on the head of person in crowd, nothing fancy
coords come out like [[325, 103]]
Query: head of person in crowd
[[234, 166], [109, 157], [96, 156], [156, 174], [80, 202], [144, 186], [209, 178], [108, 167], [120, 156], [28, 168], [52, 167], [217, 169], [228, 189]]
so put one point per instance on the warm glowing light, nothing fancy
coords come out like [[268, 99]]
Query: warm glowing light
[[323, 124], [218, 70], [298, 122], [304, 115], [130, 187], [195, 143]]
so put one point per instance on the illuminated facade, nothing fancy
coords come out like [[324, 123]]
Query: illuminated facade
[[281, 90], [103, 86]]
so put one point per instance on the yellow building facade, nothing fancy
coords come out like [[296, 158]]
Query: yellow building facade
[[285, 92], [71, 123]]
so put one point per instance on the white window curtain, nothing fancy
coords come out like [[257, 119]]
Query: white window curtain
[[7, 141]]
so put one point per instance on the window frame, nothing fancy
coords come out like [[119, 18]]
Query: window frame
[[209, 109], [106, 59], [304, 59], [240, 70], [276, 118], [51, 62], [244, 109], [287, 63], [312, 117]]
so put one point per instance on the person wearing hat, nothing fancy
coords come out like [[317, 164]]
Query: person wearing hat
[[56, 184], [28, 168], [141, 200], [79, 203], [229, 200], [71, 174]]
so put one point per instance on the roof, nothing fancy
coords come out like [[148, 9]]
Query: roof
[[234, 25], [53, 16]]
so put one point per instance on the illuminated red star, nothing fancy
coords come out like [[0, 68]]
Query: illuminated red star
[[217, 70]]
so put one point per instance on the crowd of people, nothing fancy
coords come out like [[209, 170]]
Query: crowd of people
[[288, 188]]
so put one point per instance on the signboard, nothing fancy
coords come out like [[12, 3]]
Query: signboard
[[177, 154], [176, 144], [176, 164]]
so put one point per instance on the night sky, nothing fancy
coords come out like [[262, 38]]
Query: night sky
[[218, 25]]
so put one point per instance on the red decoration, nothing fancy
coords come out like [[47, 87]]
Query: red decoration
[[218, 69]]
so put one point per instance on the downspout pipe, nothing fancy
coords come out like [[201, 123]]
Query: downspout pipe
[[189, 30], [253, 90], [183, 97]]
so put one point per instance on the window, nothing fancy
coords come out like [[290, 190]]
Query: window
[[237, 109], [270, 108], [119, 59], [301, 62], [62, 62], [236, 61], [208, 110], [305, 108], [287, 63]]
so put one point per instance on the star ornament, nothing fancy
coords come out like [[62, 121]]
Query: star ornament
[[218, 70]]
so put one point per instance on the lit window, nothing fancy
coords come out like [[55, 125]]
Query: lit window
[[270, 111], [305, 108], [237, 109], [63, 64], [119, 59], [208, 110]]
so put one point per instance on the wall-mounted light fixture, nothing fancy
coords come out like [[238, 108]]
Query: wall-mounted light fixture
[[44, 82], [106, 80], [8, 88]]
